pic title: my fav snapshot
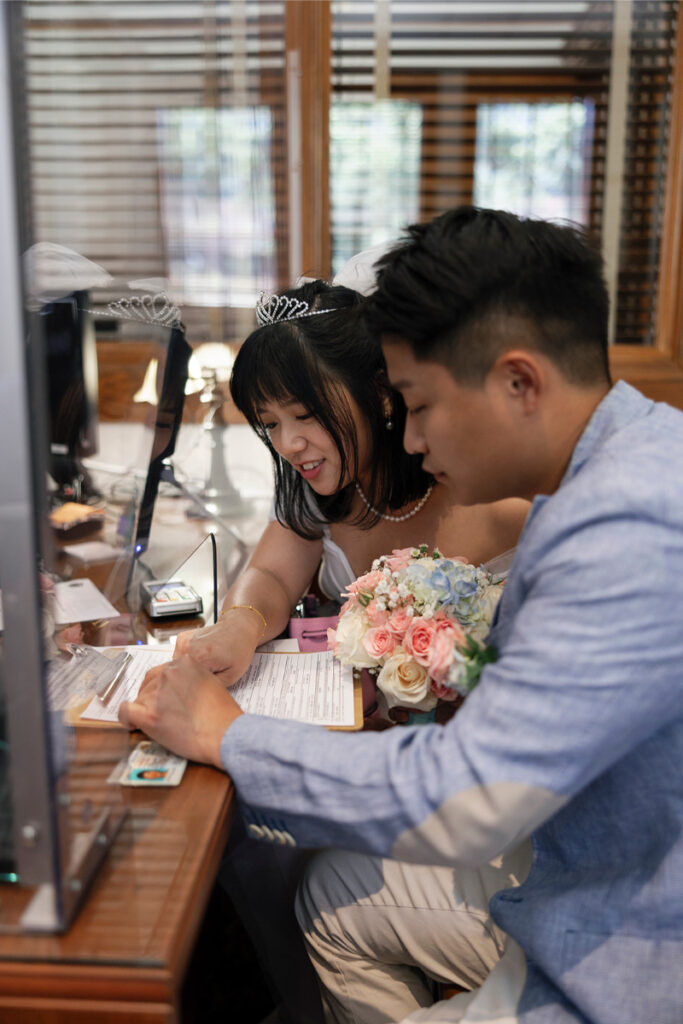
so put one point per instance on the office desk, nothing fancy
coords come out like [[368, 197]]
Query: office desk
[[125, 956]]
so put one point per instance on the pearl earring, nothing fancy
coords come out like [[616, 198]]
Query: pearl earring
[[389, 423]]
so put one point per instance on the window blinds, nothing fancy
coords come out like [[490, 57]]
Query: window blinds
[[100, 78], [453, 58]]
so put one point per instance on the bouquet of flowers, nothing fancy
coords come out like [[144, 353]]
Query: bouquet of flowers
[[418, 622]]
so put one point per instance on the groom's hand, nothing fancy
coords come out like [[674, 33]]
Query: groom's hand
[[184, 708]]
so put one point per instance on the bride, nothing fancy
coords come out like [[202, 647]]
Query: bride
[[311, 382]]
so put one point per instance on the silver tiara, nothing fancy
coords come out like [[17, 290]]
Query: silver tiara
[[273, 309], [148, 309]]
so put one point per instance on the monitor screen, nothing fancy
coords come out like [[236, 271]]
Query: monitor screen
[[168, 417], [72, 392]]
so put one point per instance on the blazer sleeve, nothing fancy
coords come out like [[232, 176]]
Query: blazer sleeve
[[590, 668]]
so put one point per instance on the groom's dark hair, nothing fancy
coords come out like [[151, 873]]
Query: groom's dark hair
[[453, 288]]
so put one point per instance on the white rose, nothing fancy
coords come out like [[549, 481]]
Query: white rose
[[405, 683], [348, 646]]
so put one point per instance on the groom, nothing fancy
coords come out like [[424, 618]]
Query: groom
[[494, 330]]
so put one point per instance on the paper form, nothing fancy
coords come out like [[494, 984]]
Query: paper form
[[285, 646], [81, 601], [311, 687], [143, 659]]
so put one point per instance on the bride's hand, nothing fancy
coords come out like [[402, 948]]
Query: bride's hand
[[226, 649]]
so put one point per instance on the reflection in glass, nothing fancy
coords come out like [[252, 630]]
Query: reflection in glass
[[72, 391], [374, 173], [218, 204], [534, 158]]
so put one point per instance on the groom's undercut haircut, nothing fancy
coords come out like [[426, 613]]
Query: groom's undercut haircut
[[461, 288]]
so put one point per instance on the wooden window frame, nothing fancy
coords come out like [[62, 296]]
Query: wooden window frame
[[656, 370], [308, 44]]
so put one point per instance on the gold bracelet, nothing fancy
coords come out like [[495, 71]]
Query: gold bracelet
[[251, 609]]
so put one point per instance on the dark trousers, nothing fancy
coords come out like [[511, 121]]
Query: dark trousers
[[261, 880]]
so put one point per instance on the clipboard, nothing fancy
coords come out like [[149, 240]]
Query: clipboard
[[107, 692], [357, 707]]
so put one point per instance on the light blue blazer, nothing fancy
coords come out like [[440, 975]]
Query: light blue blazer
[[574, 736]]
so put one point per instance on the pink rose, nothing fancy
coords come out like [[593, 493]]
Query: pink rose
[[446, 635], [441, 653], [379, 642], [331, 638], [399, 558], [454, 629], [398, 622], [348, 605], [377, 616], [365, 584], [349, 648], [418, 639], [444, 692]]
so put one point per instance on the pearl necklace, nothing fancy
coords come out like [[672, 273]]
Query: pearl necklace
[[396, 519]]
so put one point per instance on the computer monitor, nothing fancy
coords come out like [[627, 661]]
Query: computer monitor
[[72, 392], [168, 417], [167, 423]]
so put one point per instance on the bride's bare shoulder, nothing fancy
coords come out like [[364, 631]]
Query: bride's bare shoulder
[[480, 532]]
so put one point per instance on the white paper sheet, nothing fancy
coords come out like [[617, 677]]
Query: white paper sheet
[[304, 687], [71, 682], [144, 658], [93, 551], [310, 687], [81, 601], [285, 646]]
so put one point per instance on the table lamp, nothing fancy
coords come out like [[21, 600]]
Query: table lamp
[[208, 372]]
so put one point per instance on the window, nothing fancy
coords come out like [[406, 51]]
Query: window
[[534, 159], [114, 91], [375, 152], [495, 80], [218, 204], [101, 79]]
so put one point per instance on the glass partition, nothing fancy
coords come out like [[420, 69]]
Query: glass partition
[[101, 492], [58, 813]]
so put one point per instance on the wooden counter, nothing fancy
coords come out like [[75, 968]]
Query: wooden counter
[[125, 956]]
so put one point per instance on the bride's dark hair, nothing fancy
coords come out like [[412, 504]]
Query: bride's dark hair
[[310, 360]]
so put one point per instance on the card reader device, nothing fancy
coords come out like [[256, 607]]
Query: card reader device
[[168, 598]]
